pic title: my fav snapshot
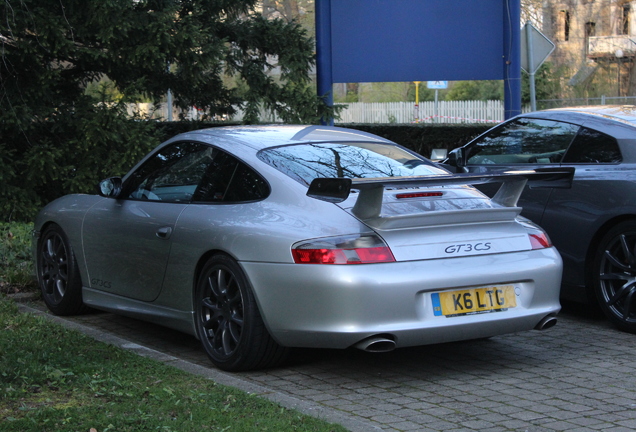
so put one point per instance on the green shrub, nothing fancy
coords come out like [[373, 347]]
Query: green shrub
[[16, 265], [69, 155]]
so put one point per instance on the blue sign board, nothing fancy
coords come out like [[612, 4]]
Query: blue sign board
[[416, 40], [419, 40]]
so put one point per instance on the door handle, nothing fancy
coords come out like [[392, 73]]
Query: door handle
[[164, 232]]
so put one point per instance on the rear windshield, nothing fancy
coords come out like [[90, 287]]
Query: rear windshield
[[305, 162]]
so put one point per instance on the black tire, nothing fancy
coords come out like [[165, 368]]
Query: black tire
[[58, 275], [615, 275], [228, 321]]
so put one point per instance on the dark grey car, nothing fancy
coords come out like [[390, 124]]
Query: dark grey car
[[592, 224]]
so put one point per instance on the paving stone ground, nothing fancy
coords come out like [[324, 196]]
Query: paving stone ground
[[577, 376]]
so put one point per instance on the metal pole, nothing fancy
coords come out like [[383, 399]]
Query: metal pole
[[436, 116], [324, 72], [512, 58], [531, 70], [169, 103], [618, 69], [169, 96], [417, 101]]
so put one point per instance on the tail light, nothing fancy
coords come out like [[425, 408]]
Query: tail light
[[353, 249], [538, 238]]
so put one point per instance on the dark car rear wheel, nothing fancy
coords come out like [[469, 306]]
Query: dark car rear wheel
[[58, 274], [615, 275], [229, 323]]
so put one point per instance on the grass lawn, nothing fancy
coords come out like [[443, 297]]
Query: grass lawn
[[56, 379], [16, 264]]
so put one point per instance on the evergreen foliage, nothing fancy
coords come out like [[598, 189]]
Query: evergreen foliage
[[55, 138], [546, 83], [476, 90]]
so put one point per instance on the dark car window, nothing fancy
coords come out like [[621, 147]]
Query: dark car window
[[305, 162], [230, 180], [591, 146], [523, 141], [173, 174]]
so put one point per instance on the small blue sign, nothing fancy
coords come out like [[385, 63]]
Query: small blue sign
[[437, 85]]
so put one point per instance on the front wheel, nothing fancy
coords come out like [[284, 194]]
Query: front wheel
[[615, 275], [58, 274], [228, 321]]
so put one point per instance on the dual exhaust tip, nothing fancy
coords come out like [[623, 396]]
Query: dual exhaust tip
[[386, 343], [376, 344], [546, 323]]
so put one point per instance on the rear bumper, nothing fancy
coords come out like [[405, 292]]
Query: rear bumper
[[332, 306]]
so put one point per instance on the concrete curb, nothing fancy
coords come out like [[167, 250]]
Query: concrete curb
[[309, 408]]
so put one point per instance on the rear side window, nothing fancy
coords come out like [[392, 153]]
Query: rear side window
[[230, 180], [591, 146], [305, 162]]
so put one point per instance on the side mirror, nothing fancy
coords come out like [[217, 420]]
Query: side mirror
[[460, 155], [456, 158], [111, 187]]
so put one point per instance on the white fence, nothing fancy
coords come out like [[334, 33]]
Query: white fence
[[383, 112], [426, 112]]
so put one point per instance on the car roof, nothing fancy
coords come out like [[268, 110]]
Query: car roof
[[261, 137], [619, 113]]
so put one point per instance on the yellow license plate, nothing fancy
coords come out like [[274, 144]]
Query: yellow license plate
[[474, 300]]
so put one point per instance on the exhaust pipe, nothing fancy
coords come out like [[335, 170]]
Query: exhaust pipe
[[546, 323], [376, 344]]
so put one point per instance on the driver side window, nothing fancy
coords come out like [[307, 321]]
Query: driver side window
[[523, 141], [172, 174]]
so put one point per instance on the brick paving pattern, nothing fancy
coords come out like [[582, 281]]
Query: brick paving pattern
[[577, 376]]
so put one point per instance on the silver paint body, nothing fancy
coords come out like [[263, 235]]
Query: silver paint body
[[127, 268]]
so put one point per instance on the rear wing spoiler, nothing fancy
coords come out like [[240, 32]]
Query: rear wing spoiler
[[369, 202]]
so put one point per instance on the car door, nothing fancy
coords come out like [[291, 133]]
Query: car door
[[599, 192], [521, 143], [127, 241]]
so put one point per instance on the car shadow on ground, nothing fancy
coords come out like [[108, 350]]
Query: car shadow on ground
[[581, 311], [470, 352], [470, 349]]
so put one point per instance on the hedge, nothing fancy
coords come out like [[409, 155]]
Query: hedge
[[58, 166]]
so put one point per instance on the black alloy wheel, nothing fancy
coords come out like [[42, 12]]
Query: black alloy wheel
[[229, 323], [615, 275], [58, 275]]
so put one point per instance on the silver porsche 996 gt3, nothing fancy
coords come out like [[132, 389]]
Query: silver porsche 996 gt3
[[259, 239]]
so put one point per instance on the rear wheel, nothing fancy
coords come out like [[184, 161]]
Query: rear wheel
[[615, 275], [58, 274], [229, 323]]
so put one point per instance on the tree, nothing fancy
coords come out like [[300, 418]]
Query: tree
[[149, 46], [546, 84], [51, 129], [300, 11], [476, 90], [532, 11]]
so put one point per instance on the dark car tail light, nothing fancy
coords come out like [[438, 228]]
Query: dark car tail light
[[354, 249]]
